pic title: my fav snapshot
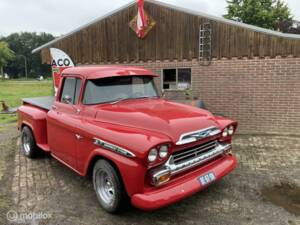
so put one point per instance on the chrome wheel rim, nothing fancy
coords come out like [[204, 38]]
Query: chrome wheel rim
[[26, 143], [105, 187]]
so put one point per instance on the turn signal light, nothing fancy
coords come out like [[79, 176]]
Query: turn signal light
[[160, 177], [227, 151], [164, 178]]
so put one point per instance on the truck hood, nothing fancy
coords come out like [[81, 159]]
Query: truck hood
[[158, 115]]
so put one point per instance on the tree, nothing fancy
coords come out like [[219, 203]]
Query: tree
[[6, 54], [292, 27], [263, 13], [22, 44]]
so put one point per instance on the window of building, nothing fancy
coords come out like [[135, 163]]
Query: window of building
[[177, 79]]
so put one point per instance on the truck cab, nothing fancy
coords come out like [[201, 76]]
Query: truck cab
[[111, 122]]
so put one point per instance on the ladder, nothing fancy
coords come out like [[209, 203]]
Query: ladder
[[205, 44]]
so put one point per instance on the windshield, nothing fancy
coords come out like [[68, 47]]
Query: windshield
[[114, 89]]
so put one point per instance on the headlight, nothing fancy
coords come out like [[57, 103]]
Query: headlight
[[152, 156], [163, 151], [231, 130], [225, 132]]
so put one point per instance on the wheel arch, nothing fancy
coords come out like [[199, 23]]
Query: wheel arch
[[94, 160], [25, 124], [128, 169]]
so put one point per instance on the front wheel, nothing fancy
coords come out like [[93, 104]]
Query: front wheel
[[28, 144], [108, 187]]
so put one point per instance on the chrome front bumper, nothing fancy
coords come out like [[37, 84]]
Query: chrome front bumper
[[171, 168]]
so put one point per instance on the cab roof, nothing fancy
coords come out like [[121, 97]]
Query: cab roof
[[97, 72]]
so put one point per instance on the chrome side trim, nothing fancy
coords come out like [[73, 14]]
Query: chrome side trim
[[112, 147], [198, 135], [78, 136]]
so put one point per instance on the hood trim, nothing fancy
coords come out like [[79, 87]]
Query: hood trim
[[198, 135]]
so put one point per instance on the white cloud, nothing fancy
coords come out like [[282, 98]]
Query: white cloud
[[61, 16]]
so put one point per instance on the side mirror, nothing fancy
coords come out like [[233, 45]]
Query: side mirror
[[67, 99]]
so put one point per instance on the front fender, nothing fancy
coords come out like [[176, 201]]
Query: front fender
[[131, 170], [138, 141], [225, 122]]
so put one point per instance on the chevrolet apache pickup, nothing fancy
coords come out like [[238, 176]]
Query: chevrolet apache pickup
[[111, 123]]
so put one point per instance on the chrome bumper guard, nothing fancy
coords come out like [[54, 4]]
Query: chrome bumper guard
[[171, 168]]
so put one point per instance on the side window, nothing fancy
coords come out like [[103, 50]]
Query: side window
[[77, 91], [71, 90]]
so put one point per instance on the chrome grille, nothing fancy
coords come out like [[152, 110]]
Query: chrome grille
[[190, 153], [186, 159]]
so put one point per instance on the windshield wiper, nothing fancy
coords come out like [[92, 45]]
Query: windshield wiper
[[118, 100], [122, 99], [147, 97]]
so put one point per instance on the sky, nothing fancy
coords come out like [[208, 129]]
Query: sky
[[62, 16]]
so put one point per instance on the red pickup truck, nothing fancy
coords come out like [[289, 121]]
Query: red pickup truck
[[110, 122]]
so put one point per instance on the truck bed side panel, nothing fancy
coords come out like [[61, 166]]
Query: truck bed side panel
[[35, 118]]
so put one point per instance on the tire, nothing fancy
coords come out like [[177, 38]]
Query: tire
[[28, 144], [109, 187]]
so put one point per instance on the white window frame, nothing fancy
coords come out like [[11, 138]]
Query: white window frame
[[178, 68]]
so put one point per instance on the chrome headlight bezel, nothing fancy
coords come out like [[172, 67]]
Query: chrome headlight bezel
[[152, 155], [163, 151], [230, 130], [225, 133]]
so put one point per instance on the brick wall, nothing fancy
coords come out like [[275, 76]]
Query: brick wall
[[263, 95]]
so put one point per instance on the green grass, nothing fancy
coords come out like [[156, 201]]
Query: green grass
[[13, 91]]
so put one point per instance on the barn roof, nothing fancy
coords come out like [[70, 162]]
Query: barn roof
[[188, 11]]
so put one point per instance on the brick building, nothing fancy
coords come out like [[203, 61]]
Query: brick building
[[241, 71]]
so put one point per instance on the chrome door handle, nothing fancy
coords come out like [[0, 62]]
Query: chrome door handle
[[78, 137]]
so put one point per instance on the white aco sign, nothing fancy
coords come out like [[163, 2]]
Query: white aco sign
[[60, 62], [60, 58]]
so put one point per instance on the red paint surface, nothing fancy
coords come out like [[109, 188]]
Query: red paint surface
[[184, 186], [136, 125]]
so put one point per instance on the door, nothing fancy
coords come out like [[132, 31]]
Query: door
[[62, 120]]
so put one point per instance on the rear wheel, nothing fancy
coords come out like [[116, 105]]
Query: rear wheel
[[108, 187], [28, 144]]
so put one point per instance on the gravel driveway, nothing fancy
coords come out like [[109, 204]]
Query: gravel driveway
[[264, 189]]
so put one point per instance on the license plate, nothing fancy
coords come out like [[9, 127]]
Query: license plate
[[207, 178]]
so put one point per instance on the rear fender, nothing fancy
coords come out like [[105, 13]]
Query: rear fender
[[34, 118]]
